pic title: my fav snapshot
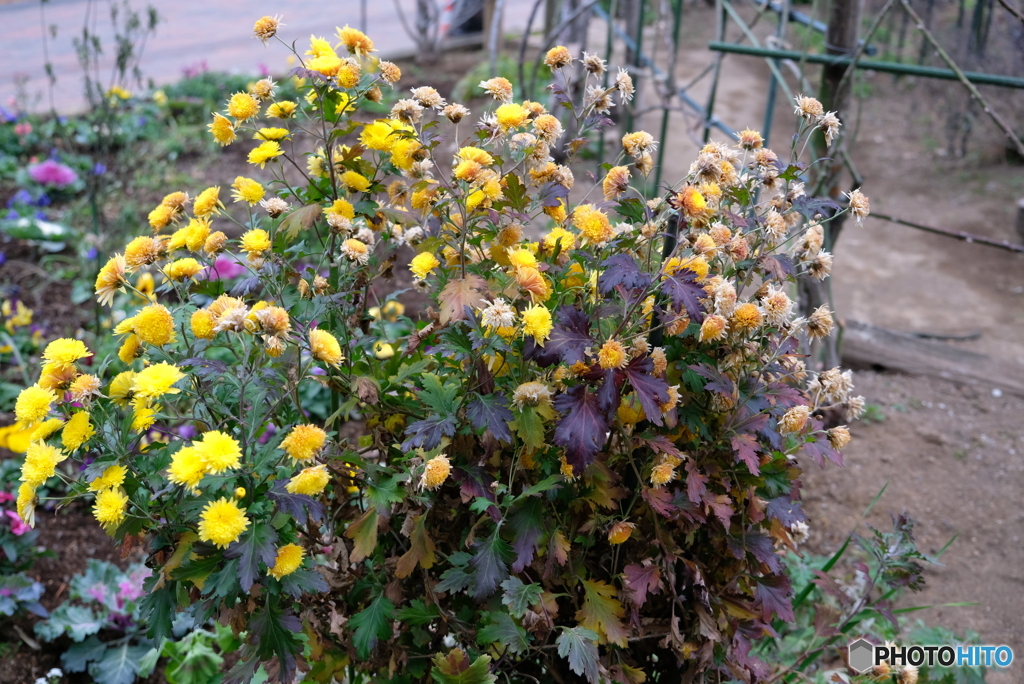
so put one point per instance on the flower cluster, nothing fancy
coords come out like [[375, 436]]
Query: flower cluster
[[601, 397]]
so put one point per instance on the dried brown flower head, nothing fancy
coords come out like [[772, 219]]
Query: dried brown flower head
[[266, 28]]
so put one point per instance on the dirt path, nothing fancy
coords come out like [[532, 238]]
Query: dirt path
[[190, 33]]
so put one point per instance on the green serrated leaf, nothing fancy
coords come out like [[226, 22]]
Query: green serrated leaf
[[371, 625], [503, 630], [579, 647], [455, 668], [418, 613], [519, 597]]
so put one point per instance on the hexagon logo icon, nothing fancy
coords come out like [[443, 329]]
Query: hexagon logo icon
[[862, 655]]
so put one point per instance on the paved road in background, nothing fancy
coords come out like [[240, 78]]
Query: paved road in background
[[190, 32]]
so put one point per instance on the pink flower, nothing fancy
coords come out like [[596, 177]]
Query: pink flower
[[5, 497], [51, 172], [22, 129], [18, 526], [224, 267]]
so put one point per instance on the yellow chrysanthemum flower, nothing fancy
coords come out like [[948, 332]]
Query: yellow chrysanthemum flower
[[85, 387], [112, 477], [142, 251], [561, 238], [324, 346], [222, 522], [26, 502], [197, 231], [355, 40], [64, 352], [160, 217], [289, 559], [110, 279], [511, 116], [45, 429], [143, 417], [130, 349], [481, 157], [154, 325], [522, 257], [281, 110], [243, 106], [187, 468], [40, 463], [271, 134], [436, 472], [33, 404], [310, 481], [403, 153], [222, 129], [77, 431], [354, 181], [183, 268], [593, 224], [110, 507], [620, 532], [255, 242], [422, 264], [341, 207], [156, 381], [612, 355], [202, 324], [537, 323], [247, 190], [121, 388], [219, 451], [304, 441], [207, 202], [266, 151]]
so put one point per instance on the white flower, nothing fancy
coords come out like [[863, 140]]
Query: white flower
[[498, 315]]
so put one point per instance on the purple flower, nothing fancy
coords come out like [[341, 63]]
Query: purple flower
[[264, 70], [98, 592], [3, 258], [12, 215], [44, 200], [268, 433], [23, 196], [98, 169], [91, 254], [52, 172], [187, 431], [224, 267], [7, 115]]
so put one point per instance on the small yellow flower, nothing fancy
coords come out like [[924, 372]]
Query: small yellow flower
[[110, 507], [33, 404], [156, 381], [620, 532], [218, 451], [187, 468], [112, 477], [45, 429], [121, 388], [77, 431], [747, 317], [422, 264], [143, 416], [612, 355], [247, 190], [537, 323], [436, 472], [324, 346], [111, 279], [662, 474], [222, 522], [222, 129], [202, 324], [271, 134], [255, 243], [289, 559], [511, 116], [356, 41], [183, 268], [130, 350], [40, 463], [304, 441], [266, 151], [154, 325], [593, 224], [309, 481], [206, 203], [382, 350], [142, 251], [281, 110], [355, 181], [26, 502], [243, 106]]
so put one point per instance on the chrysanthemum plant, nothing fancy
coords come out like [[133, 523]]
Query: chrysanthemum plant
[[582, 461]]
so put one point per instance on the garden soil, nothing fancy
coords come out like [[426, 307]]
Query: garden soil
[[951, 455]]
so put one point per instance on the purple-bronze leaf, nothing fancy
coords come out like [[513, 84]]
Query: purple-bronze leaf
[[773, 596], [652, 391], [621, 269], [570, 338], [746, 448], [582, 429], [684, 291], [641, 580]]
